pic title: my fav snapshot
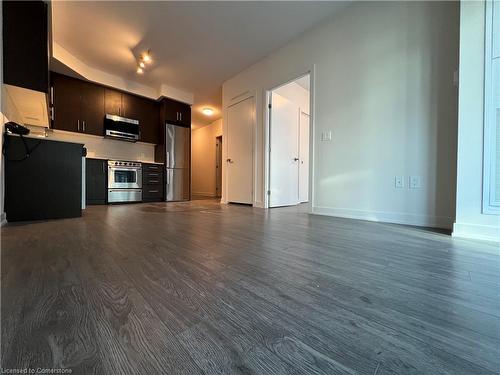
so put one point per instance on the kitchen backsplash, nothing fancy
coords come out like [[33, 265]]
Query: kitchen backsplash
[[100, 147]]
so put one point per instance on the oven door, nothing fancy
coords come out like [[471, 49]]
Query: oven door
[[124, 178]]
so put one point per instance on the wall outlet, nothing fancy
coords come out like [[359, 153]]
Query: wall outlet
[[414, 182], [399, 182], [326, 136]]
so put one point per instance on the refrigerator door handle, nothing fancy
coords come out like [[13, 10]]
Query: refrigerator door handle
[[168, 160]]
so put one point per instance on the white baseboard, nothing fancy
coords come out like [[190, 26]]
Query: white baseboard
[[258, 204], [387, 217], [3, 219], [476, 232]]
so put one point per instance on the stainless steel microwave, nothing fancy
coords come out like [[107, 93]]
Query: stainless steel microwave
[[122, 128]]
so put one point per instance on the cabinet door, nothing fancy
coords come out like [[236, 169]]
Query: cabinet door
[[95, 181], [25, 44], [113, 102], [92, 108], [147, 111], [66, 92], [171, 108], [185, 114]]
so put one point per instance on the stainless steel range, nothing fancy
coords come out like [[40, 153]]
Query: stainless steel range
[[124, 181]]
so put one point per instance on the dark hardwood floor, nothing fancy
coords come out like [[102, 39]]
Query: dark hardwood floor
[[192, 288]]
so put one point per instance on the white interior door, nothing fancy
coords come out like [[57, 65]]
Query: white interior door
[[304, 157], [284, 155], [239, 162]]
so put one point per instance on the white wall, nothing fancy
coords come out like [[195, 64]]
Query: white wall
[[470, 222], [383, 84], [203, 158]]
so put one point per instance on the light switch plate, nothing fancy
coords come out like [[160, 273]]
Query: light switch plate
[[326, 136], [399, 182], [414, 182]]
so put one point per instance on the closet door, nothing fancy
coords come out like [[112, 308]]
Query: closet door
[[284, 156]]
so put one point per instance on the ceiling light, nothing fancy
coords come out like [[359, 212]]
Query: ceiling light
[[146, 57], [140, 70], [208, 111], [142, 65]]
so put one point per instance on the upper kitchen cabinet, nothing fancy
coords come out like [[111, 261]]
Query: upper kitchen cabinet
[[113, 102], [176, 112], [78, 105], [147, 111], [92, 108], [25, 44]]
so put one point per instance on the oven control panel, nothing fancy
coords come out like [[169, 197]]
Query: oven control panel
[[117, 163]]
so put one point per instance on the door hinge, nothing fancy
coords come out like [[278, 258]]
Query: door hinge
[[269, 192], [269, 106]]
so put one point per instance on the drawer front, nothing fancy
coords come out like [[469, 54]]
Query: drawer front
[[153, 181], [153, 175], [152, 167], [152, 192]]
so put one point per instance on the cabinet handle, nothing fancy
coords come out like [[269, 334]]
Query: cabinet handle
[[78, 125], [153, 174], [52, 95], [153, 191], [83, 122], [180, 115], [153, 181]]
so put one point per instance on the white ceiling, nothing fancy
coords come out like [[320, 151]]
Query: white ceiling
[[196, 46]]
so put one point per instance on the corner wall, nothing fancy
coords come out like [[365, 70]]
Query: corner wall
[[383, 85], [470, 221], [203, 173]]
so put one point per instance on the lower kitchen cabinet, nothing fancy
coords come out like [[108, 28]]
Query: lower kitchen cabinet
[[43, 179], [96, 181], [152, 182]]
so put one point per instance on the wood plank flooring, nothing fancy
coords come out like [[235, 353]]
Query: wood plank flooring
[[203, 288]]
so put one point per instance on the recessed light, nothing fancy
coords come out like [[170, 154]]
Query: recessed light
[[208, 111], [142, 65], [140, 70]]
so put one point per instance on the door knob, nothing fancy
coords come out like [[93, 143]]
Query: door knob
[[295, 159], [229, 161]]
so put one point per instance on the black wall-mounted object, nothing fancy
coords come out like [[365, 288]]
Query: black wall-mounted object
[[25, 44], [45, 185]]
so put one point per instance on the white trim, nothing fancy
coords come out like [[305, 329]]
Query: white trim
[[476, 232], [491, 204], [267, 122], [387, 217]]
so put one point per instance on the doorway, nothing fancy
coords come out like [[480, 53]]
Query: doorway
[[289, 129], [218, 166]]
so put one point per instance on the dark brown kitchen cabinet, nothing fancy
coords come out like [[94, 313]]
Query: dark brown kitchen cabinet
[[92, 108], [78, 105], [147, 111], [113, 102], [176, 112], [96, 180], [65, 94], [25, 44]]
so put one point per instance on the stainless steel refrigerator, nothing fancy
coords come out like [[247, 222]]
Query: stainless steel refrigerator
[[177, 163]]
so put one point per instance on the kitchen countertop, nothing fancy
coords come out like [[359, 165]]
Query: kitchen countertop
[[137, 161]]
